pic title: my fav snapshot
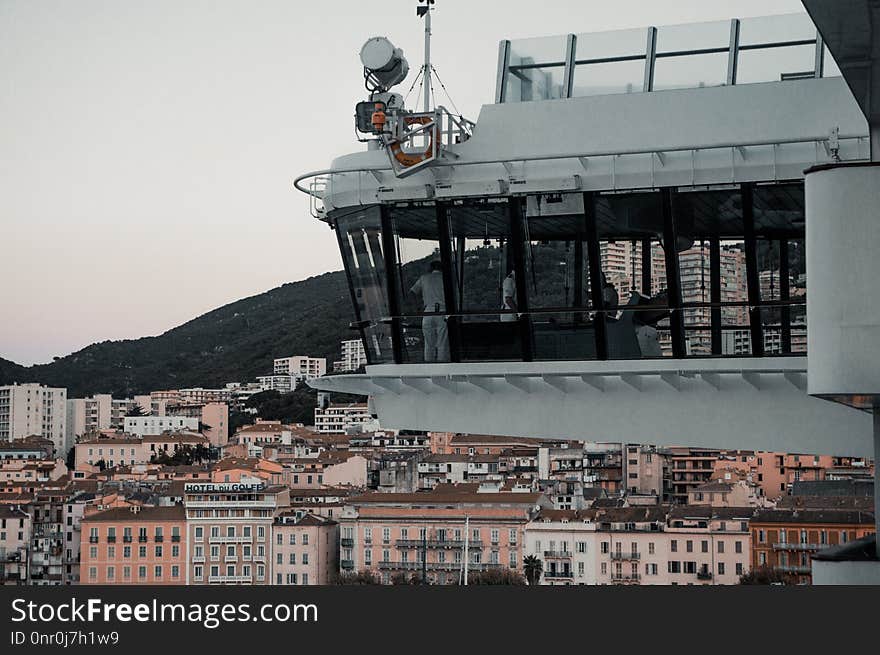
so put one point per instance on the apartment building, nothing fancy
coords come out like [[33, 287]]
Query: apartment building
[[644, 470], [128, 451], [15, 532], [435, 533], [353, 356], [786, 539], [301, 366], [134, 546], [229, 531], [142, 426], [338, 418], [280, 383], [103, 412], [33, 409], [306, 549], [46, 555], [566, 542], [690, 468], [708, 545]]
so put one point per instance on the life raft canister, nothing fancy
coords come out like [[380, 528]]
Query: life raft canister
[[406, 159]]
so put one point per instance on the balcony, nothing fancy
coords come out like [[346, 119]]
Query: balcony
[[175, 538], [347, 564], [625, 577], [794, 569], [437, 543], [557, 554], [230, 558], [111, 539], [346, 542], [142, 539], [230, 579], [623, 556], [126, 539], [704, 575], [158, 538], [198, 558], [559, 575], [93, 540], [787, 546]]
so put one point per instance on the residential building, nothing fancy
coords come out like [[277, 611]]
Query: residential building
[[279, 383], [155, 425], [134, 546], [435, 532], [33, 409], [786, 539], [566, 543], [353, 356], [15, 534], [301, 366], [338, 418], [690, 467], [306, 550]]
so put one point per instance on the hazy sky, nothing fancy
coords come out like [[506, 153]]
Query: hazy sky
[[147, 149]]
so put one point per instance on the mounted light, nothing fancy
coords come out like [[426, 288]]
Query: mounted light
[[384, 65]]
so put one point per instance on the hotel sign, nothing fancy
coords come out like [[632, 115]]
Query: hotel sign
[[222, 487]]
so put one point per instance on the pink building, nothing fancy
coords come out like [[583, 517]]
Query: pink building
[[133, 546], [15, 535], [390, 533], [306, 549]]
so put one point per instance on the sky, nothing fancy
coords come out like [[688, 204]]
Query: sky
[[148, 149]]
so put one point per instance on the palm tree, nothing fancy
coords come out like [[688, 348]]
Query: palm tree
[[533, 568]]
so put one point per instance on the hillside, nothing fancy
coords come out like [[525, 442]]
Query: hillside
[[236, 342]]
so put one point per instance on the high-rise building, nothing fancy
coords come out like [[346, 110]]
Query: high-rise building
[[353, 356], [32, 409]]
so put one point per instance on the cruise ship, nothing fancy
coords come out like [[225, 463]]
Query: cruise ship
[[621, 245]]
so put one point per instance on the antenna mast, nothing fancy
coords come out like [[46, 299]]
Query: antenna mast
[[425, 10]]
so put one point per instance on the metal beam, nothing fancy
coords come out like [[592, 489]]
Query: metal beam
[[570, 55], [516, 215], [501, 78], [594, 261], [673, 279], [715, 294], [650, 60], [733, 52], [753, 282], [392, 285]]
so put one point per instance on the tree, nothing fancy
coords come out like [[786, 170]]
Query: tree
[[496, 576], [101, 464], [364, 577], [533, 568], [765, 575], [135, 410]]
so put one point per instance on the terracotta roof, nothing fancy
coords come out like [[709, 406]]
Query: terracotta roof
[[441, 498], [833, 516], [146, 513]]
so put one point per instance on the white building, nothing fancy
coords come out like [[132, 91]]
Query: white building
[[335, 419], [353, 356], [301, 366], [27, 409], [153, 425], [280, 383], [103, 412]]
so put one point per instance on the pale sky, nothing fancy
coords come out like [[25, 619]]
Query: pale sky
[[147, 149]]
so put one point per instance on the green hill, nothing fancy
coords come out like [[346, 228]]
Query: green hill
[[234, 343]]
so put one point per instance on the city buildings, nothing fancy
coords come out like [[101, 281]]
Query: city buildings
[[34, 409], [143, 426], [15, 532]]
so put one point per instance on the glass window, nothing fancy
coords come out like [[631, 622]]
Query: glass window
[[421, 284], [487, 324], [610, 62], [692, 56], [775, 48], [536, 69], [360, 241]]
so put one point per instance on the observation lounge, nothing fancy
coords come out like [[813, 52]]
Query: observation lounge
[[621, 233]]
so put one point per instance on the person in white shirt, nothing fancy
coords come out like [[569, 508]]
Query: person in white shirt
[[508, 292], [434, 329]]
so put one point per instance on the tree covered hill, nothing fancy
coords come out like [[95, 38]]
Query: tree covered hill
[[236, 342]]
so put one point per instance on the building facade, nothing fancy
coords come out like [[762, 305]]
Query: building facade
[[33, 409]]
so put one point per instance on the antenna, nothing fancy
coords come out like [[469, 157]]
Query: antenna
[[424, 10]]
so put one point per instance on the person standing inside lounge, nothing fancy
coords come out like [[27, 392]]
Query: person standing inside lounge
[[508, 294], [435, 332]]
